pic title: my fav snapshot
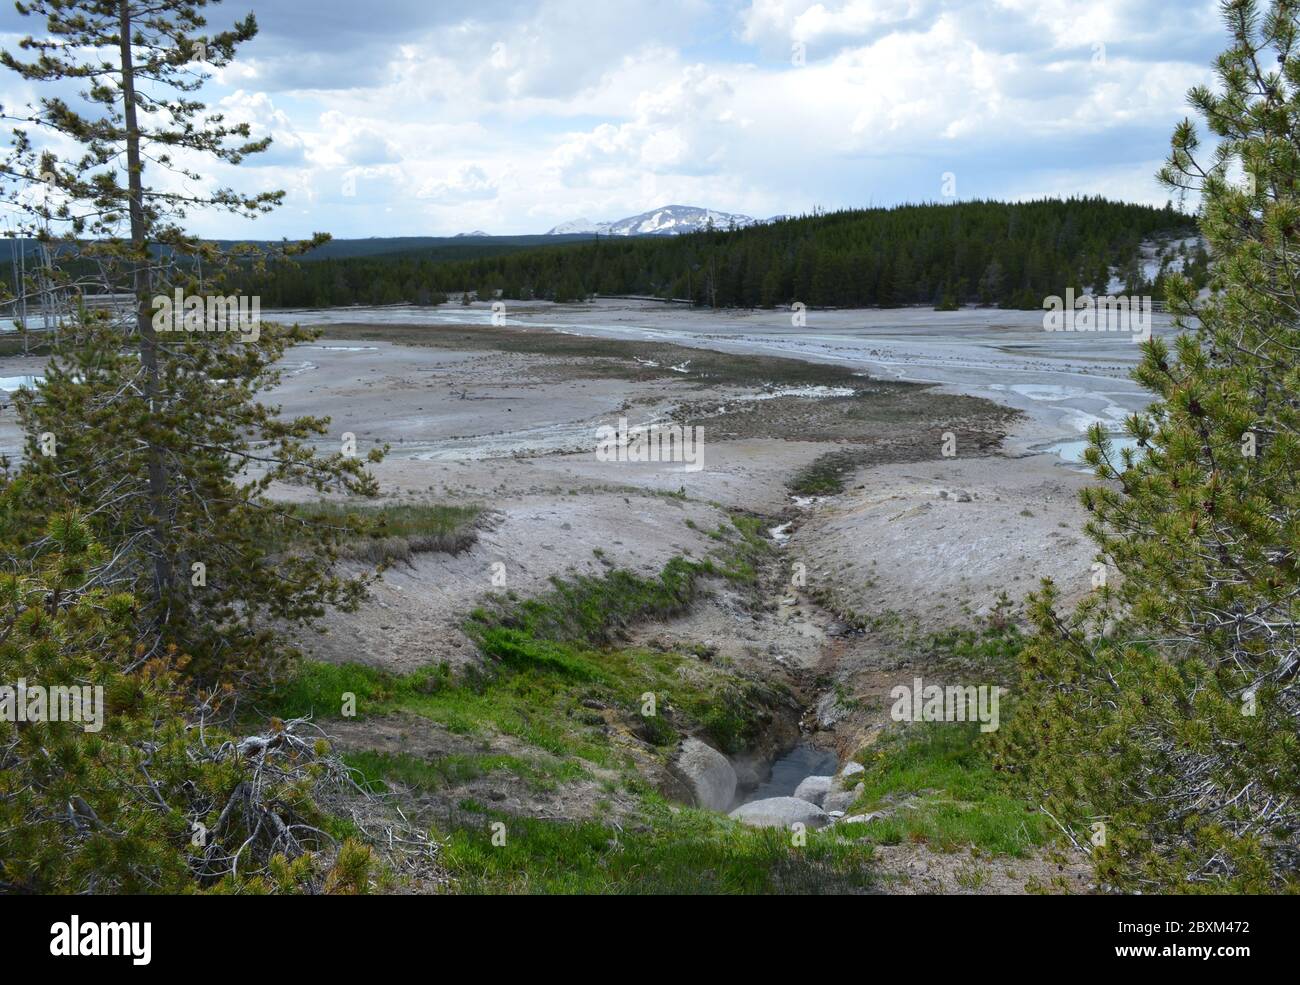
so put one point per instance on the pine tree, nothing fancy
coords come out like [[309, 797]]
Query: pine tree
[[1168, 709], [992, 283], [146, 423], [131, 798]]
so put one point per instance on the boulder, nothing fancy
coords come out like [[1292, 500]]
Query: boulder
[[781, 812], [707, 773], [839, 800], [813, 789], [852, 769]]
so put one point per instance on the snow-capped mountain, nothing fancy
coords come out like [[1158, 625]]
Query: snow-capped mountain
[[671, 220], [583, 225], [476, 232]]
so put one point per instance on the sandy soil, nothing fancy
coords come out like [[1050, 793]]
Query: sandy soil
[[937, 542], [914, 870], [415, 612], [516, 433], [508, 420]]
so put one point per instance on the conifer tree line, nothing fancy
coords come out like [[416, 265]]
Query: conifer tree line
[[976, 252]]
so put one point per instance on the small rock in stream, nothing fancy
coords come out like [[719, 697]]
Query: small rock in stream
[[781, 812], [813, 789]]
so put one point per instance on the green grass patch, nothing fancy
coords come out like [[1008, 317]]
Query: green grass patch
[[554, 683], [680, 851], [937, 780], [594, 609], [542, 693], [317, 690], [826, 474]]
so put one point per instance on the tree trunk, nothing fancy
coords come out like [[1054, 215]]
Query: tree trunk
[[148, 341]]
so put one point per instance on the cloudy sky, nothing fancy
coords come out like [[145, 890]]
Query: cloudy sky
[[412, 117]]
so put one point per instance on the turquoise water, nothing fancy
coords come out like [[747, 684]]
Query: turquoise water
[[1072, 451]]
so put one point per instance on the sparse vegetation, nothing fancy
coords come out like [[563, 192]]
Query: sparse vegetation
[[384, 534], [825, 475], [374, 768]]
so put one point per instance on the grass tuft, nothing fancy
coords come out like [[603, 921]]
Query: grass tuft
[[384, 534]]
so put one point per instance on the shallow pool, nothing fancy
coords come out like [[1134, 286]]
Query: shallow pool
[[12, 383], [1072, 451], [792, 768]]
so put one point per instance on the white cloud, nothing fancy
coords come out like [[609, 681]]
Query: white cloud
[[467, 183], [259, 112], [514, 116], [783, 21]]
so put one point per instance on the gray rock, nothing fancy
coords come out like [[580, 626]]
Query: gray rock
[[781, 812], [860, 818], [839, 800], [840, 796], [707, 773], [813, 789]]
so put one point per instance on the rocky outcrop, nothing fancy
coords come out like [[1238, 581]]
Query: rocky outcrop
[[707, 773], [781, 812], [829, 710]]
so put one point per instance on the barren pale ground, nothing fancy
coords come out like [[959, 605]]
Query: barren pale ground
[[915, 542]]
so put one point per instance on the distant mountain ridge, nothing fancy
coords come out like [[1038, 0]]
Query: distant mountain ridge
[[669, 220]]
